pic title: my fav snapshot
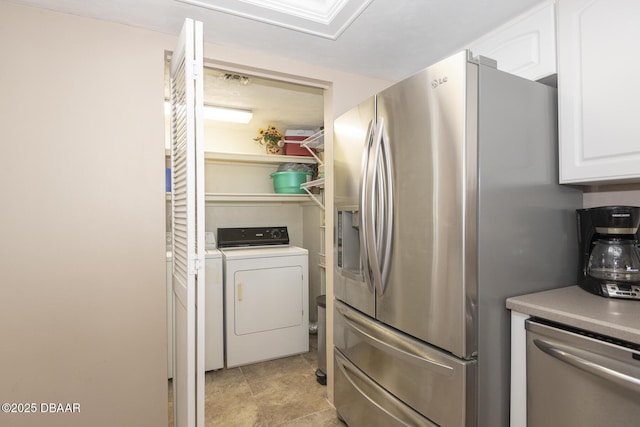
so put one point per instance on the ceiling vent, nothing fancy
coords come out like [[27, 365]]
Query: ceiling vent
[[322, 18], [236, 78]]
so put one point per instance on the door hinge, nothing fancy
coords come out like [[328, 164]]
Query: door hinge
[[194, 266], [195, 68]]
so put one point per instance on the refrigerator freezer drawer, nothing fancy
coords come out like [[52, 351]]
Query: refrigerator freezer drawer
[[361, 402], [435, 384]]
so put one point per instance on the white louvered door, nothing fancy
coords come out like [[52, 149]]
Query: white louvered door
[[187, 206]]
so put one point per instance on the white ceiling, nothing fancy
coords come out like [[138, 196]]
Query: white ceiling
[[285, 105], [386, 39]]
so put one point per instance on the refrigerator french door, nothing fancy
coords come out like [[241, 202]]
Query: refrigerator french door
[[354, 130], [405, 127], [447, 203]]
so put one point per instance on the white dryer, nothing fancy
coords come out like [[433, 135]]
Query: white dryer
[[266, 299]]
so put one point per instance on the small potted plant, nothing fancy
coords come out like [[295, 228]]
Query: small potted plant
[[271, 138]]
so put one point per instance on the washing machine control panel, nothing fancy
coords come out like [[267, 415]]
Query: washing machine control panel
[[252, 236]]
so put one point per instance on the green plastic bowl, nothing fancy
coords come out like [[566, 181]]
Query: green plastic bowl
[[288, 182]]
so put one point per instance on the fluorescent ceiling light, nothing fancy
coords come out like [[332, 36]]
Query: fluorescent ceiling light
[[221, 114]]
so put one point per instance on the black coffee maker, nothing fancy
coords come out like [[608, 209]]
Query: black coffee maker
[[609, 260]]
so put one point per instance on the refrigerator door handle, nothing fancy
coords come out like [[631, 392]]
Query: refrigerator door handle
[[388, 200], [379, 202], [564, 354], [364, 190], [372, 205]]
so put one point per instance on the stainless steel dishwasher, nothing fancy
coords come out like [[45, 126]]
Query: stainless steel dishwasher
[[577, 378]]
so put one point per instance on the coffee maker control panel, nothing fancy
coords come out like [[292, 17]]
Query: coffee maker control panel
[[615, 290]]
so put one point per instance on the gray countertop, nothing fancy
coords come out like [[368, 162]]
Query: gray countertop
[[576, 307]]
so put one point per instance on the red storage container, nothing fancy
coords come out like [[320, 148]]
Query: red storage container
[[292, 140], [295, 149]]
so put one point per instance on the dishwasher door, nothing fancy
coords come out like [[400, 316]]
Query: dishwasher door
[[580, 379]]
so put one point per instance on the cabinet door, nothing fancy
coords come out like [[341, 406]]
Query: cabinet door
[[525, 46], [598, 90]]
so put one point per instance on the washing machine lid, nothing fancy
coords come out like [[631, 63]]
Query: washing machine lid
[[263, 252]]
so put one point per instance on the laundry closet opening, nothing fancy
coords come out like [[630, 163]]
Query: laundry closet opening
[[240, 193]]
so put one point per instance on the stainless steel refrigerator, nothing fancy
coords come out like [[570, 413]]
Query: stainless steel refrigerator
[[446, 203]]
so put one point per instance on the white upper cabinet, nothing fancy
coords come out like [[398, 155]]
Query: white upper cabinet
[[525, 46], [599, 91]]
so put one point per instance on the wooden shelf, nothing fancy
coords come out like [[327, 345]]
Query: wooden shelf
[[212, 156], [256, 197], [257, 158], [252, 197]]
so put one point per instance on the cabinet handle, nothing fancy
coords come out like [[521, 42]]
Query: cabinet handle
[[239, 291]]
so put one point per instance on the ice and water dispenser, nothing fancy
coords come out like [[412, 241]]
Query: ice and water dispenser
[[348, 243]]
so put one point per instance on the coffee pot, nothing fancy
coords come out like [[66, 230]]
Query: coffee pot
[[615, 259], [609, 263]]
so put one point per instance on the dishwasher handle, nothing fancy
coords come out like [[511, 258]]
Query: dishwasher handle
[[563, 353]]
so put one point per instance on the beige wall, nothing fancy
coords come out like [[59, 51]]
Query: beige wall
[[82, 303], [82, 219]]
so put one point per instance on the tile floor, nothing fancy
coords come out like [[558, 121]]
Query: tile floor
[[282, 392]]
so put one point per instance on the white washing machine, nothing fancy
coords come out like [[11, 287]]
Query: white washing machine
[[266, 299], [213, 316], [214, 311]]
